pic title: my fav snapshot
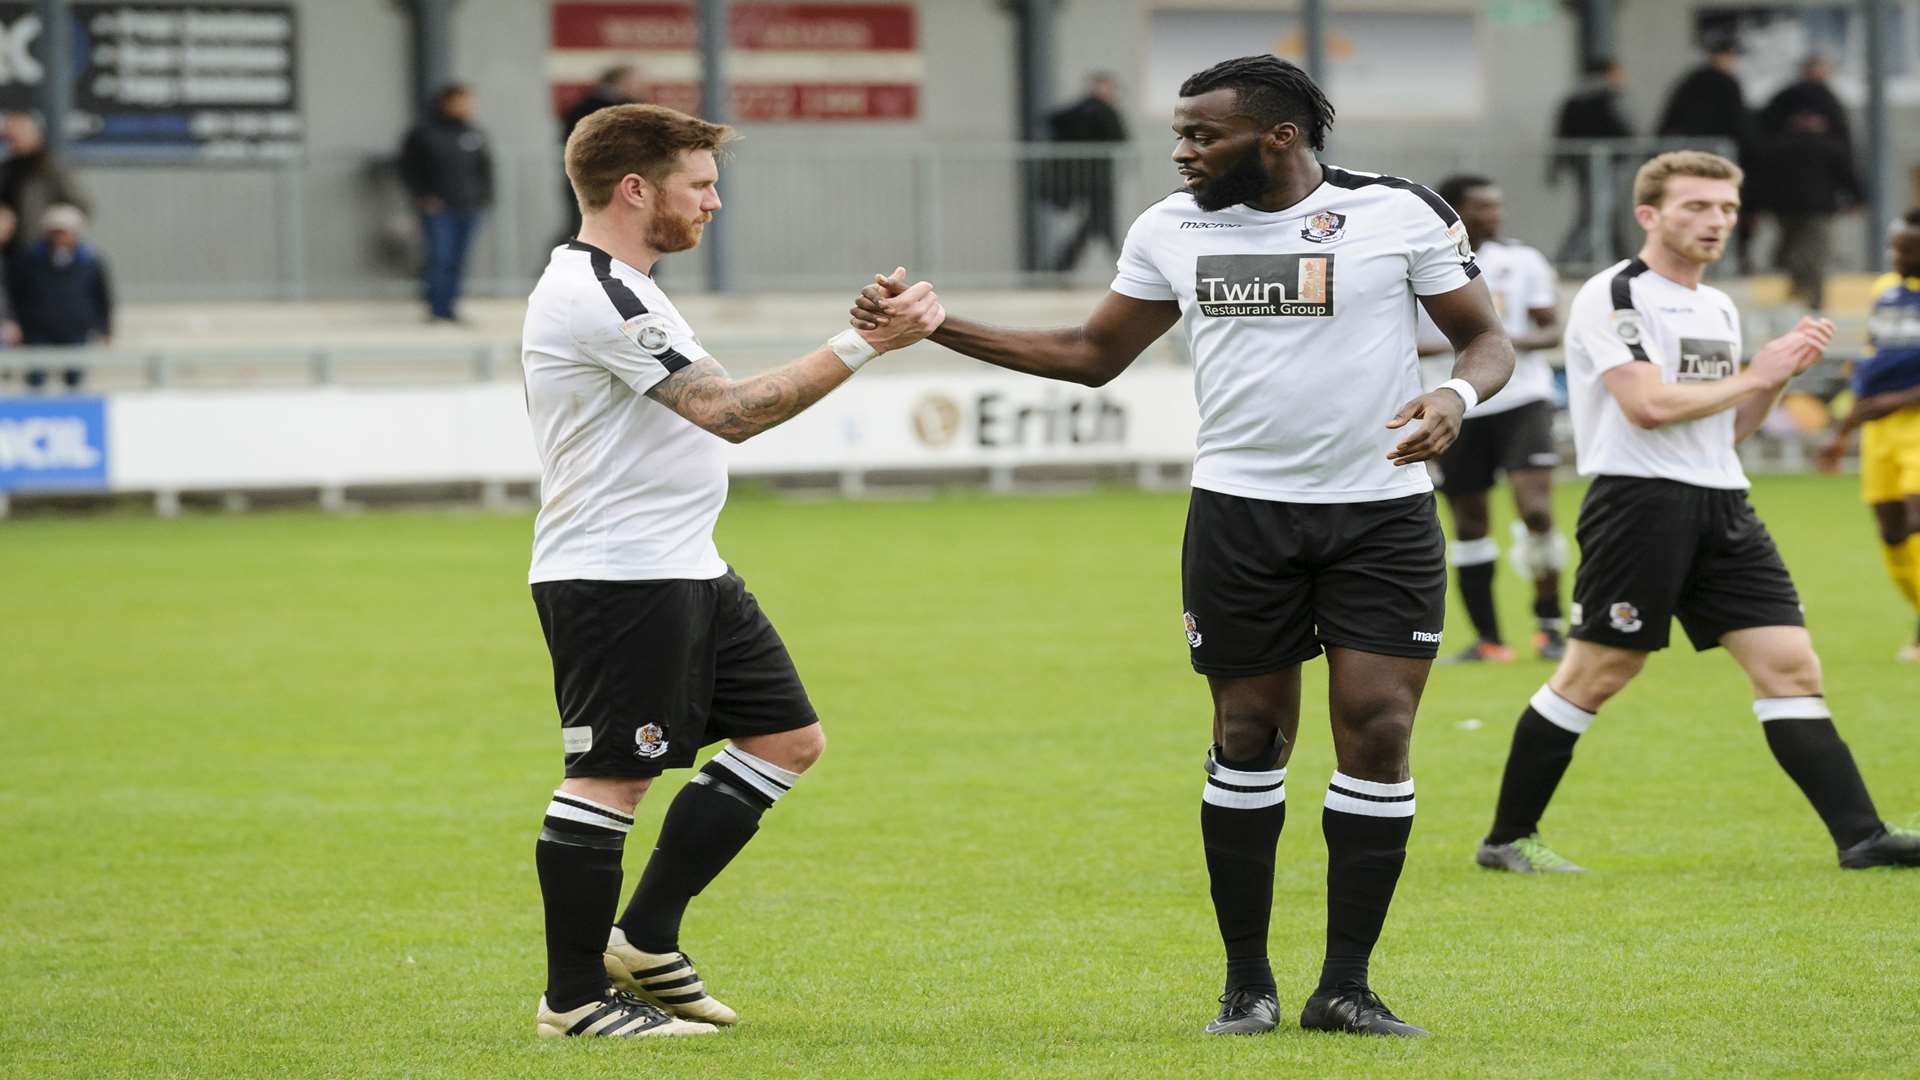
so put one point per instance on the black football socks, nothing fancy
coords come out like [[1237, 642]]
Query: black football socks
[[1474, 563], [578, 857], [708, 824], [1801, 735], [1542, 748], [1242, 810], [1366, 823]]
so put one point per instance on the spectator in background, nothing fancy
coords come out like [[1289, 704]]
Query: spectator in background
[[1089, 180], [1813, 178], [1811, 93], [59, 290], [1591, 112], [618, 85], [31, 180], [1709, 102], [447, 168], [9, 327], [1805, 144]]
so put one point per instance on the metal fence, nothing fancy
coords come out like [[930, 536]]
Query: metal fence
[[796, 217]]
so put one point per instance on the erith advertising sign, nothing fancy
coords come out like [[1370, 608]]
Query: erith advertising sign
[[982, 419], [786, 62], [53, 444]]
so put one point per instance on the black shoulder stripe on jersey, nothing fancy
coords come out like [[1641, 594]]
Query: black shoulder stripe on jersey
[[624, 302], [1621, 289], [1341, 178]]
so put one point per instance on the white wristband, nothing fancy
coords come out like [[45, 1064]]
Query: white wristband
[[852, 349], [1466, 391]]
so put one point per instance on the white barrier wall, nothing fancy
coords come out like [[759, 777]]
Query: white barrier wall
[[332, 437]]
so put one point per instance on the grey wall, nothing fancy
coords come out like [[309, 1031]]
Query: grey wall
[[807, 203]]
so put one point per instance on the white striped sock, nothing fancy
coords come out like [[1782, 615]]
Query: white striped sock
[[1560, 712], [1369, 798], [1474, 552], [1792, 708], [1235, 789], [570, 807], [761, 775]]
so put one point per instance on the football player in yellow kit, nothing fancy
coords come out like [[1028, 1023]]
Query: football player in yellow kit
[[1886, 409]]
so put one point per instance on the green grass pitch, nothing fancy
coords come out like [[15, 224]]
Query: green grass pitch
[[269, 787]]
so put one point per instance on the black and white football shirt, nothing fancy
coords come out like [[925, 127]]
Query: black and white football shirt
[[1628, 314], [629, 488], [1301, 325]]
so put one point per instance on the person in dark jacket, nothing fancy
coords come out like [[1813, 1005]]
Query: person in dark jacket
[[1088, 180], [447, 168], [31, 180], [1811, 93], [619, 85], [1591, 112], [1806, 148], [59, 289], [1814, 178], [1709, 102]]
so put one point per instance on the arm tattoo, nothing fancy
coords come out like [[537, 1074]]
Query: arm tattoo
[[734, 409]]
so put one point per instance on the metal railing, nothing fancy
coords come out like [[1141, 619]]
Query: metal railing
[[800, 217]]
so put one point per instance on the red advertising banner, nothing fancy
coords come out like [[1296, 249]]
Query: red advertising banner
[[786, 62]]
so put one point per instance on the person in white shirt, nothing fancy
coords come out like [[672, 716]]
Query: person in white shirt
[[1312, 520], [1659, 399], [1511, 434], [657, 647]]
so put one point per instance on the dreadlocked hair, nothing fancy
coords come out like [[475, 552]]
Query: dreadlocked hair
[[1271, 91]]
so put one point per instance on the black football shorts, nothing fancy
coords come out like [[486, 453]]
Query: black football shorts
[[1651, 550], [1268, 584], [647, 672], [1506, 442]]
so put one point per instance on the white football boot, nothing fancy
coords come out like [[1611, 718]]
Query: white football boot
[[618, 1015], [664, 979]]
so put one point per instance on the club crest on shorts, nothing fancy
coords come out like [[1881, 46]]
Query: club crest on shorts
[[1324, 227], [1625, 618], [650, 741], [1193, 630]]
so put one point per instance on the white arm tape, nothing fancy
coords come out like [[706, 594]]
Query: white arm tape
[[1465, 389], [852, 349]]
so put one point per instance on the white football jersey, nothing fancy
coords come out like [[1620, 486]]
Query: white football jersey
[[1627, 314], [1301, 326], [1520, 279], [629, 489]]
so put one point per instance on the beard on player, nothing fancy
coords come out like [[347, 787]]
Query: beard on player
[[666, 235], [1243, 181]]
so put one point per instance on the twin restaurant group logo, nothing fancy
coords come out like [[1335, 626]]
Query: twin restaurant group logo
[[1243, 285]]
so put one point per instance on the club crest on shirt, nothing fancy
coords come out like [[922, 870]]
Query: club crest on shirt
[[1324, 227], [650, 741], [1625, 618], [1193, 630], [1626, 326], [653, 333], [1457, 232]]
